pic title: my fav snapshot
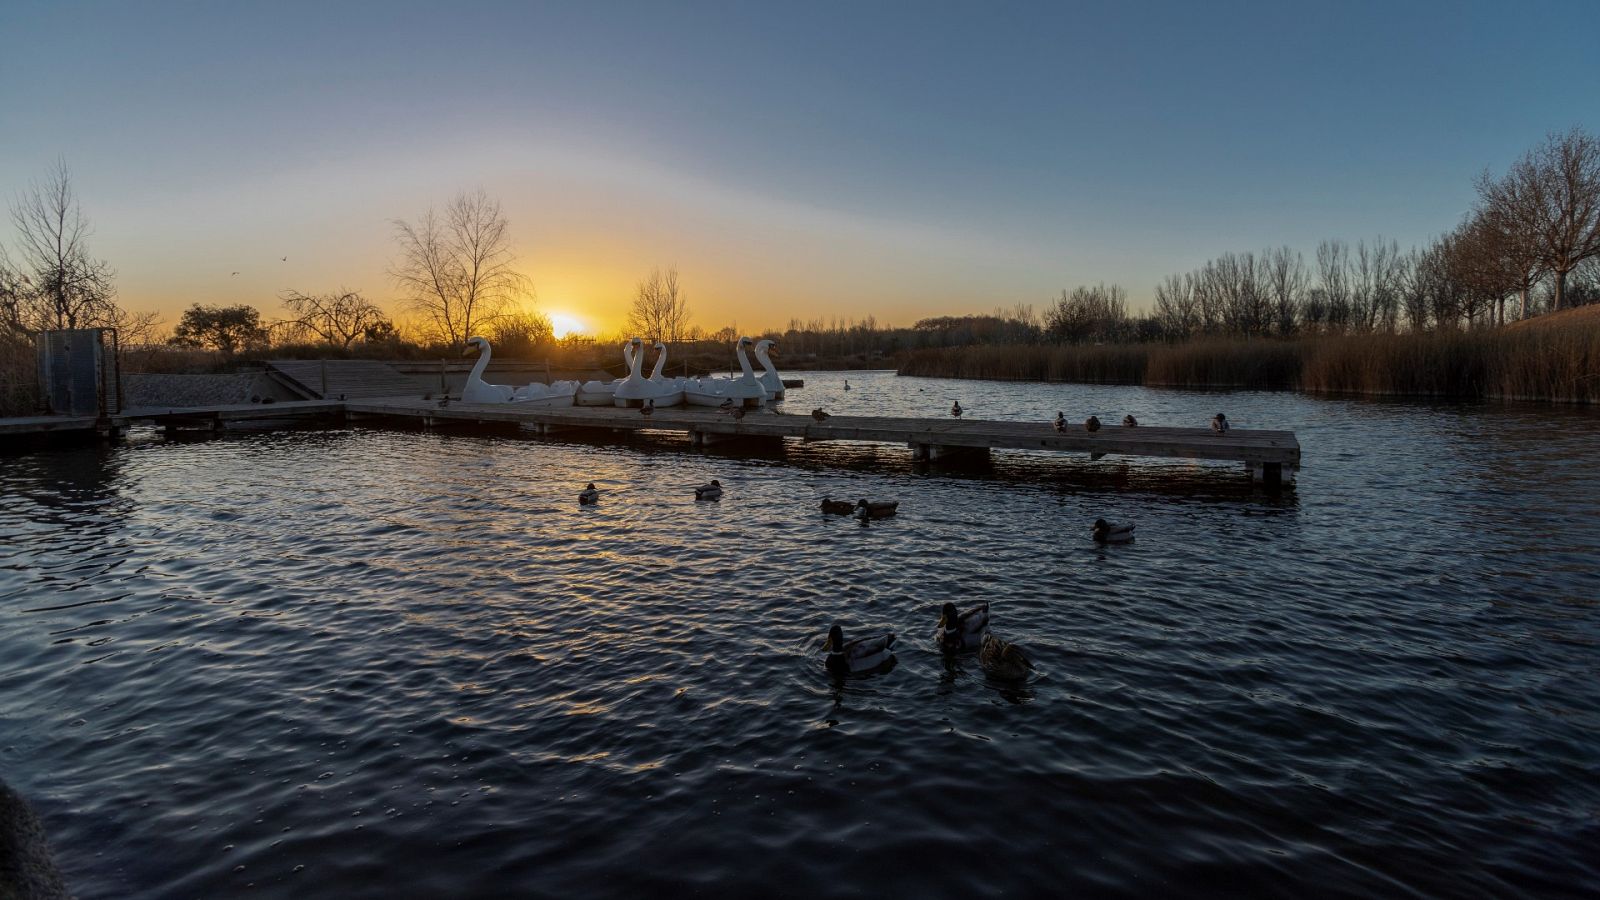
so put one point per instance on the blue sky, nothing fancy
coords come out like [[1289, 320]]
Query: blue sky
[[791, 159]]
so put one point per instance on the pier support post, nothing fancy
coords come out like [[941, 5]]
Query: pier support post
[[1270, 474], [935, 452]]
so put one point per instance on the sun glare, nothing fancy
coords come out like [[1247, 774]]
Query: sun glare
[[564, 325]]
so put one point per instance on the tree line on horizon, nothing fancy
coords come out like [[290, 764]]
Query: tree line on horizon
[[1529, 245]]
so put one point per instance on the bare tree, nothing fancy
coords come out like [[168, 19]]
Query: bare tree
[[660, 309], [1551, 198], [340, 318], [1098, 313], [1285, 276], [1176, 307], [65, 286], [1333, 276], [456, 270]]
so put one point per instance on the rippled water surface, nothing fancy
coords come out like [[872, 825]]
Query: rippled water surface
[[373, 662]]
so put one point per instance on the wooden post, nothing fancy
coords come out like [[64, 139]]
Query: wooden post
[[444, 388], [324, 368]]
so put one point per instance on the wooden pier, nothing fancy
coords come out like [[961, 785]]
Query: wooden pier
[[1270, 456]]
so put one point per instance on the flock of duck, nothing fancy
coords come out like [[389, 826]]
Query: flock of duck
[[957, 633]]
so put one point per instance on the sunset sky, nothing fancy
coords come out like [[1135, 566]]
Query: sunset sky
[[793, 160]]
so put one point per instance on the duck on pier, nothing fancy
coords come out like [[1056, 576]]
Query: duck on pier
[[876, 509], [837, 507], [1219, 424], [738, 414], [1061, 421], [725, 406], [819, 415], [1003, 659], [1128, 421], [648, 409], [711, 490], [589, 495], [960, 631], [1092, 423], [1112, 532], [863, 654], [956, 410]]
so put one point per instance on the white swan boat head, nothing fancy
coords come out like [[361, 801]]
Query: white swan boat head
[[769, 377]]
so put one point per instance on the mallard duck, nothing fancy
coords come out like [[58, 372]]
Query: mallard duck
[[1003, 659], [857, 656], [959, 631], [1092, 423], [589, 495], [876, 509], [725, 406], [648, 409], [1128, 421], [837, 507], [711, 490], [1112, 532], [1061, 421], [956, 410], [1219, 424], [819, 415]]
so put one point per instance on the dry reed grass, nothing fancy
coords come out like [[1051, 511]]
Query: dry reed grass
[[1560, 364]]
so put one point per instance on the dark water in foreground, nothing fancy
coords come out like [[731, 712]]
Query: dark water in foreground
[[375, 663]]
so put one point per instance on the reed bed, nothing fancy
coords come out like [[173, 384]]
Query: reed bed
[[1555, 363]]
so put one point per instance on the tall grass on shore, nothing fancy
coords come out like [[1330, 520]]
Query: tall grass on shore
[[1560, 364]]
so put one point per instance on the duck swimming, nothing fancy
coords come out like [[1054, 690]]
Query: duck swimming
[[959, 631], [1003, 659], [876, 509], [711, 490], [1112, 532], [837, 507], [860, 655], [589, 495]]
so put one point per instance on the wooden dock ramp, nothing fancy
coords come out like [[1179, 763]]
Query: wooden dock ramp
[[330, 379]]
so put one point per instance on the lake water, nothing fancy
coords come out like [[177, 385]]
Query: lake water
[[363, 662]]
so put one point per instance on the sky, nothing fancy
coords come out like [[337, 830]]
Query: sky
[[792, 160]]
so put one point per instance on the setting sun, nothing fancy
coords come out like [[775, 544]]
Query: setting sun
[[564, 325]]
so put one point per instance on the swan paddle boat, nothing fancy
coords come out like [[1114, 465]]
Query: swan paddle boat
[[669, 391], [745, 391], [603, 393], [476, 390], [769, 377]]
